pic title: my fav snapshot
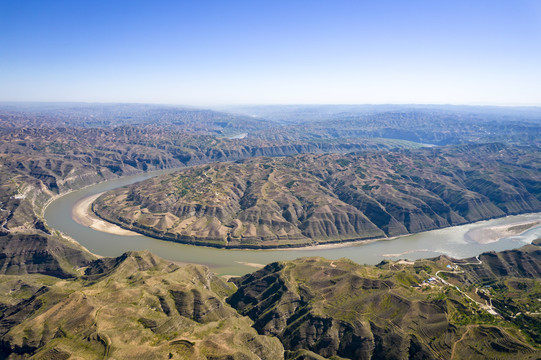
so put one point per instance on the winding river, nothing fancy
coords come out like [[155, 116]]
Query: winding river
[[457, 241]]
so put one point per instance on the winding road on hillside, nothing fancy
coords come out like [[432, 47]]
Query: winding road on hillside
[[487, 307]]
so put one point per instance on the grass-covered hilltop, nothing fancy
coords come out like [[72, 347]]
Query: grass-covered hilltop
[[315, 199], [138, 306]]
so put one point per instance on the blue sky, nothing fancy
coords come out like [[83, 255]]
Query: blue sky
[[271, 52]]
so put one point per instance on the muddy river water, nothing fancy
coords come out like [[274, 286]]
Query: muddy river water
[[458, 241]]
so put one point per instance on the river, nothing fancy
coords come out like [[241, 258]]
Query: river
[[452, 241]]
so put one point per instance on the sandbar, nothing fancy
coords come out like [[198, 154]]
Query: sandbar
[[405, 252], [254, 265], [83, 214], [490, 234]]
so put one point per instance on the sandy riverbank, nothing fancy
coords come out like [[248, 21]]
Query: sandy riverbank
[[82, 214], [336, 245], [250, 264], [405, 252], [487, 235]]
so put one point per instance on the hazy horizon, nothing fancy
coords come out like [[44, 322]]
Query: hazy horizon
[[212, 53], [236, 105]]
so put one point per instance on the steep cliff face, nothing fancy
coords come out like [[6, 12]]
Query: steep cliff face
[[323, 308], [134, 306], [310, 199]]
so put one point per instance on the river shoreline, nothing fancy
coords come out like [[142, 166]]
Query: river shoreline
[[83, 214], [448, 241]]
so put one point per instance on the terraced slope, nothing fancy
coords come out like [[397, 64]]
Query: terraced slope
[[136, 306], [398, 310], [311, 199]]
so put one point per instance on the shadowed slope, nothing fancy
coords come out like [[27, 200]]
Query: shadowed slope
[[398, 310], [40, 253]]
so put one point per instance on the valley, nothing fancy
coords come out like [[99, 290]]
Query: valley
[[454, 241], [279, 180], [401, 182]]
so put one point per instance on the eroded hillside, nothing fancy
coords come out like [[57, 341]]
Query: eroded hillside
[[47, 154], [429, 309], [312, 199], [140, 306], [136, 306]]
